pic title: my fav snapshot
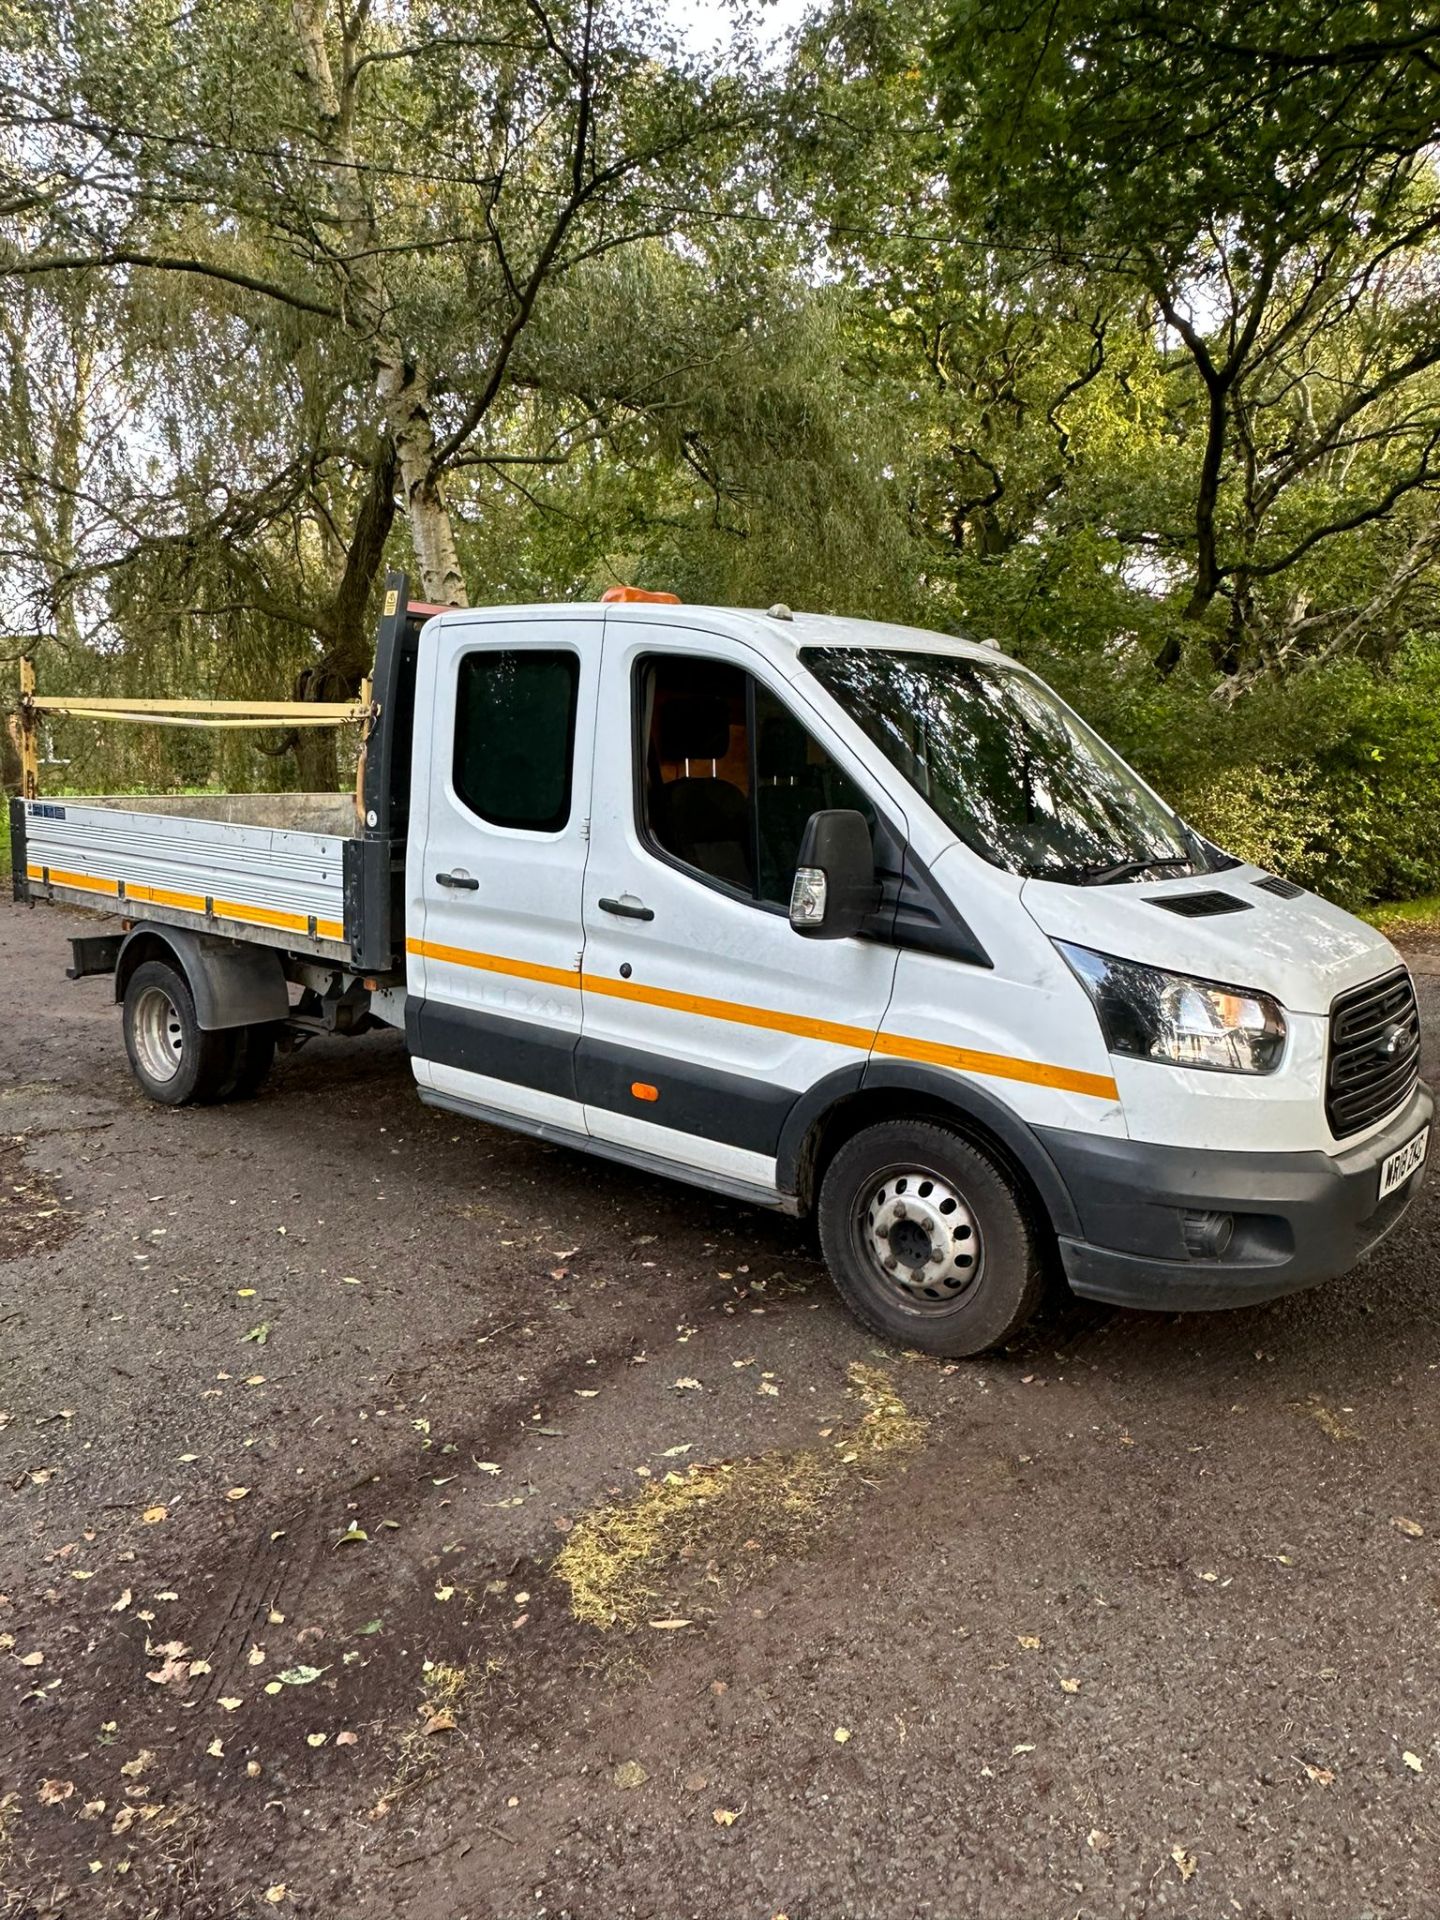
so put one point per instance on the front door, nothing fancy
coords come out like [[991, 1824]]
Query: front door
[[497, 861], [706, 1015]]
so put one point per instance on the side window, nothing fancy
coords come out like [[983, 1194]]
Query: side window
[[729, 776], [515, 736]]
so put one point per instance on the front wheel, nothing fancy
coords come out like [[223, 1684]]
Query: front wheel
[[175, 1062], [927, 1239]]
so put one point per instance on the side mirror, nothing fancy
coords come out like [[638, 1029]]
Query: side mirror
[[835, 889]]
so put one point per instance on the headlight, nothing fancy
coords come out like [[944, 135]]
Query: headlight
[[1147, 1014]]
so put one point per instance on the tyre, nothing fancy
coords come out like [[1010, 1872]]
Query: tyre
[[927, 1239], [252, 1056], [172, 1059]]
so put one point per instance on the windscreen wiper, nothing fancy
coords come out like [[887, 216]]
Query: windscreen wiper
[[1123, 869]]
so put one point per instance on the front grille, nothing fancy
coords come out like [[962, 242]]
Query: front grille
[[1374, 1053]]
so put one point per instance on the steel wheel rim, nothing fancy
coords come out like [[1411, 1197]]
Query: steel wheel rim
[[919, 1238], [159, 1036]]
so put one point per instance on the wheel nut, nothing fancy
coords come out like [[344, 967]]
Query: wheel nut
[[890, 1263], [900, 1210]]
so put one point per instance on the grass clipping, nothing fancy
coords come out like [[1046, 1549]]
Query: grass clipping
[[713, 1525]]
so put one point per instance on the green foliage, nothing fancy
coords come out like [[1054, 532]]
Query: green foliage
[[1104, 329]]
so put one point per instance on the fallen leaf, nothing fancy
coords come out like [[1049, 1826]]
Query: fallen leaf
[[153, 1515], [1025, 1746], [300, 1676], [440, 1721], [231, 1702], [724, 1817], [1321, 1776], [197, 1667], [77, 1574], [252, 1768], [1098, 1839], [350, 1534], [132, 1769], [316, 1739], [1069, 1686], [92, 1809], [255, 1657], [123, 1602], [669, 1626], [1185, 1863], [35, 1659], [259, 1335], [52, 1792], [686, 1384], [842, 1734], [674, 1453], [444, 1593], [216, 1749], [346, 1739], [276, 1894], [1410, 1528], [1413, 1762], [486, 1466], [629, 1774], [237, 1493], [371, 1626], [1030, 1641], [273, 1686]]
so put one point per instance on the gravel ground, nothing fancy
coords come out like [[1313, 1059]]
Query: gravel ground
[[309, 1394]]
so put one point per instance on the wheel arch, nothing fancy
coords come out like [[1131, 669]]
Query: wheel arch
[[233, 983], [838, 1107]]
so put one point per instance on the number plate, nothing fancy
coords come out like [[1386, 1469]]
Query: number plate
[[1395, 1171]]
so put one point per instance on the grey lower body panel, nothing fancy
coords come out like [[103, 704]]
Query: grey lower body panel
[[1297, 1218], [733, 1189]]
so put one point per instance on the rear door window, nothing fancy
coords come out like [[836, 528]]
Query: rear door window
[[515, 736]]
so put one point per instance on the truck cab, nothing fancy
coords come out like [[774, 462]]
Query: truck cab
[[1032, 1017]]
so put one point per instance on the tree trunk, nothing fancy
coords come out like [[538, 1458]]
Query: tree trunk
[[404, 393], [403, 389]]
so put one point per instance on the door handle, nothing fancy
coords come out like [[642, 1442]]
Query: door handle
[[627, 909], [461, 880]]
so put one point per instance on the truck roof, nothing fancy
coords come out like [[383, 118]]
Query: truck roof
[[779, 635]]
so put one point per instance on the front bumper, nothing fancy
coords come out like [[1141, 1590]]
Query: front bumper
[[1299, 1218]]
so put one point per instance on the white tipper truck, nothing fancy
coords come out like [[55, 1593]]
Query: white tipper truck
[[828, 915]]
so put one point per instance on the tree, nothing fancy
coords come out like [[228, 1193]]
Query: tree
[[415, 182], [1261, 170]]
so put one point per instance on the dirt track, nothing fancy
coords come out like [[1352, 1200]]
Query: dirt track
[[1126, 1627]]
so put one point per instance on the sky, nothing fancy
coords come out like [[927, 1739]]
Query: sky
[[704, 22]]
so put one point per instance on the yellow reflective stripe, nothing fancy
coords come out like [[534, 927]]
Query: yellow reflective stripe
[[994, 1066], [999, 1066], [248, 915], [85, 882], [163, 897], [494, 963]]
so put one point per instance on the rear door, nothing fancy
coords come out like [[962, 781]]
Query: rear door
[[497, 860], [706, 1015]]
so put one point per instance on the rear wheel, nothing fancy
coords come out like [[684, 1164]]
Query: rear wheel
[[174, 1061], [927, 1239]]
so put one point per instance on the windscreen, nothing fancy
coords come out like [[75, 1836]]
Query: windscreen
[[1006, 764]]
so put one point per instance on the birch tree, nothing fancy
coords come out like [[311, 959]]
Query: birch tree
[[415, 179]]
